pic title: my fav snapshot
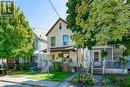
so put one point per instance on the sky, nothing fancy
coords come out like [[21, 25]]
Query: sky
[[40, 13]]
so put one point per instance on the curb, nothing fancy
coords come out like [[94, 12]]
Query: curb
[[23, 83]]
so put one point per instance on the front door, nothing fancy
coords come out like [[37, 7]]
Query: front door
[[97, 58]]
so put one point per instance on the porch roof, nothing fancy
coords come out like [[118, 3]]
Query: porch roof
[[60, 49]]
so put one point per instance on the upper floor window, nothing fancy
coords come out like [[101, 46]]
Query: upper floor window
[[65, 39], [60, 26], [36, 44], [53, 41]]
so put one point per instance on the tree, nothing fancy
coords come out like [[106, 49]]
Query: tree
[[16, 36], [101, 21], [78, 31]]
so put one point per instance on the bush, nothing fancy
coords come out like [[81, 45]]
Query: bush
[[105, 82], [86, 79], [57, 66], [81, 78], [114, 79], [25, 66], [90, 80], [126, 82]]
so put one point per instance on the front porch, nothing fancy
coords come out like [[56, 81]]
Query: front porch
[[106, 65], [66, 55]]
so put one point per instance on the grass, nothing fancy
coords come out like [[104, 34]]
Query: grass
[[53, 76]]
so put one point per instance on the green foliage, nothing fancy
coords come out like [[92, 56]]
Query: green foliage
[[57, 66], [90, 80], [125, 53], [60, 55], [105, 82], [122, 61], [114, 79], [16, 36], [103, 54], [78, 32], [25, 66], [87, 79], [98, 21], [126, 82]]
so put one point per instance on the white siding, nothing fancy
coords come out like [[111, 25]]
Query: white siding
[[58, 33]]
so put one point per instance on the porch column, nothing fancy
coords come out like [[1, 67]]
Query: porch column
[[103, 65], [92, 61], [112, 53], [77, 51]]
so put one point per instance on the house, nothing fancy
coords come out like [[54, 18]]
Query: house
[[97, 64], [59, 42], [39, 57], [40, 44]]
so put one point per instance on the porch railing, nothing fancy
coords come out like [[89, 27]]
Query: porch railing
[[111, 64]]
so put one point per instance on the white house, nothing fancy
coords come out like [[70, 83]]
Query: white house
[[59, 41], [40, 44]]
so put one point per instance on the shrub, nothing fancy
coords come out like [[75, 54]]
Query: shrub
[[114, 79], [57, 66], [105, 82], [86, 79], [82, 78], [126, 82], [90, 80], [25, 66]]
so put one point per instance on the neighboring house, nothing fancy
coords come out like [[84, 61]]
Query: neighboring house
[[59, 41], [106, 65], [40, 44]]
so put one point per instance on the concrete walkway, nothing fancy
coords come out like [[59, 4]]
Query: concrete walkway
[[66, 83], [30, 82]]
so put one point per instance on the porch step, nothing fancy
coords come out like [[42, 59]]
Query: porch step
[[97, 71]]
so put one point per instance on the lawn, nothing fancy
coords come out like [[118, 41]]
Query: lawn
[[53, 76]]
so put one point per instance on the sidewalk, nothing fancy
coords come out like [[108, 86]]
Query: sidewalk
[[66, 82], [31, 82]]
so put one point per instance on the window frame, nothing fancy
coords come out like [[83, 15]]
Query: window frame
[[64, 41], [53, 44]]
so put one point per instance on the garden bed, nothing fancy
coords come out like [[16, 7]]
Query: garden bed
[[116, 80], [83, 80]]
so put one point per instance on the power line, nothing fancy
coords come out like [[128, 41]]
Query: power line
[[54, 9]]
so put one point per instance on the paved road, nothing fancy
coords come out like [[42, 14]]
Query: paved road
[[7, 84]]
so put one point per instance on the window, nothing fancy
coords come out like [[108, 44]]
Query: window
[[53, 41], [65, 39], [60, 26]]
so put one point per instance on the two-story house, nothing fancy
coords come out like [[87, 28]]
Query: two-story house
[[59, 42]]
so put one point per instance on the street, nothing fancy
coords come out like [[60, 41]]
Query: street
[[7, 84]]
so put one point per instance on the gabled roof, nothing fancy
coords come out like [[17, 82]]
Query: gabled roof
[[55, 24], [39, 34]]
